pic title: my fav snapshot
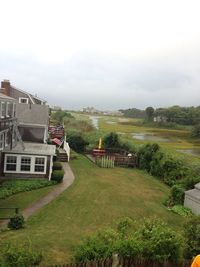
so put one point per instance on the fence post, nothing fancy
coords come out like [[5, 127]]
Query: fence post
[[16, 210], [115, 262]]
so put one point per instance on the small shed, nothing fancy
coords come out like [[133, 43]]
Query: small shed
[[192, 199]]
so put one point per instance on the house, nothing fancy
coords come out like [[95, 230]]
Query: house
[[32, 113], [192, 199], [23, 135]]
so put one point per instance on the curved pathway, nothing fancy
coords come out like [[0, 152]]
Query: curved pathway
[[68, 179]]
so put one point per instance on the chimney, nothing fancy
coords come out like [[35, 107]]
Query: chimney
[[5, 85]]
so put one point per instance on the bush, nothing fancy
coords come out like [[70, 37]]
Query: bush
[[111, 141], [177, 194], [181, 210], [77, 142], [19, 256], [192, 237], [57, 165], [57, 175], [12, 187], [16, 222], [152, 239]]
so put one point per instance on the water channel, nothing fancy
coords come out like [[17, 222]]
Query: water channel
[[149, 137]]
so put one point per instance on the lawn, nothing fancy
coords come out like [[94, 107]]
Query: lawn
[[98, 198], [22, 200]]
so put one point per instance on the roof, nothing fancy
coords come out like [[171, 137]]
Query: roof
[[34, 149], [30, 95], [194, 193], [6, 97]]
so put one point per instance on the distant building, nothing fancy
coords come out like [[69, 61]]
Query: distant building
[[160, 119], [192, 199], [91, 110]]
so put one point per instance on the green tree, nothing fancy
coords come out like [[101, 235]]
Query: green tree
[[111, 141], [196, 131], [77, 142], [149, 113]]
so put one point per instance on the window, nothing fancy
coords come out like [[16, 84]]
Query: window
[[6, 138], [9, 110], [23, 100], [25, 164], [1, 141], [30, 164], [11, 163], [39, 164], [3, 109]]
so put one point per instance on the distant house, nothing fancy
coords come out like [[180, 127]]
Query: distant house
[[23, 134], [192, 199]]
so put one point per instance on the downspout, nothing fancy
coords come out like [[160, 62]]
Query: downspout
[[50, 167]]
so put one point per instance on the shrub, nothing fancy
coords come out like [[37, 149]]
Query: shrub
[[181, 210], [77, 142], [19, 256], [177, 194], [57, 175], [192, 237], [57, 165], [16, 222], [12, 187], [124, 225], [111, 141]]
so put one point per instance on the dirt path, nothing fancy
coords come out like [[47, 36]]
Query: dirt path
[[67, 181]]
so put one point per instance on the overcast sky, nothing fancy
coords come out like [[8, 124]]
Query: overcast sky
[[109, 54]]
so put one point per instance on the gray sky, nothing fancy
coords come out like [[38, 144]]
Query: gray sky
[[109, 54]]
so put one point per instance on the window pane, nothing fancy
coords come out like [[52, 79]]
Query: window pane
[[11, 159], [39, 161], [25, 168], [10, 167], [39, 168], [25, 160]]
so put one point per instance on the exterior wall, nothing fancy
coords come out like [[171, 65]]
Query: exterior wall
[[32, 113], [31, 134], [17, 94], [192, 203]]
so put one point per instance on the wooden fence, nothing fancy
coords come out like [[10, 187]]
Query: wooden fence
[[125, 262]]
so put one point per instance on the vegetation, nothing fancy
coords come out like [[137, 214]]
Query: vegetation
[[77, 142], [133, 113], [20, 256], [57, 165], [111, 141], [192, 237], [153, 240], [16, 222], [97, 199], [57, 175], [105, 162], [149, 113], [59, 115], [11, 187]]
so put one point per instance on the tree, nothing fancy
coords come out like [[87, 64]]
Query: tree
[[77, 142], [196, 131], [149, 113], [111, 141]]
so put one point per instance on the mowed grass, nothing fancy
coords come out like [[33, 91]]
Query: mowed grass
[[22, 200], [97, 199]]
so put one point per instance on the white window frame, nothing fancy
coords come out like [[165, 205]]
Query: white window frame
[[32, 170], [23, 98], [11, 162], [2, 143], [3, 103]]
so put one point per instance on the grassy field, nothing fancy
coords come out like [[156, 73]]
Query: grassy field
[[98, 198]]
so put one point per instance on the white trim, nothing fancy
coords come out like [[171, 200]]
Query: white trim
[[18, 164], [50, 167], [23, 98]]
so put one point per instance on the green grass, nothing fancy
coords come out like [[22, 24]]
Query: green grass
[[98, 198], [22, 200]]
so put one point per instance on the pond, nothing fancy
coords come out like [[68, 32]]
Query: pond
[[192, 151], [94, 120], [149, 137]]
